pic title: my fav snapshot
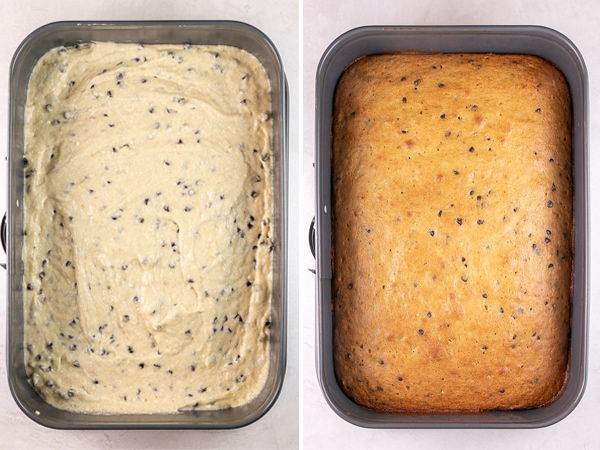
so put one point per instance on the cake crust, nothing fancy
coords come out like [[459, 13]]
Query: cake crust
[[452, 232]]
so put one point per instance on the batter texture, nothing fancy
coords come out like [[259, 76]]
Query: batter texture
[[148, 242]]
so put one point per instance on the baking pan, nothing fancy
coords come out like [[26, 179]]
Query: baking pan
[[160, 32], [533, 40]]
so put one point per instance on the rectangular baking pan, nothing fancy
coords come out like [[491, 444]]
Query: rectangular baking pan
[[161, 32], [532, 40]]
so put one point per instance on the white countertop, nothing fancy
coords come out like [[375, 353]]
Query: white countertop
[[324, 21], [280, 22]]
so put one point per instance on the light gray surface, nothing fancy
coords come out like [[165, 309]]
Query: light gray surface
[[324, 21], [279, 427]]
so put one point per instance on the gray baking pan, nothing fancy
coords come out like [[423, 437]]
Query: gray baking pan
[[532, 40], [160, 32]]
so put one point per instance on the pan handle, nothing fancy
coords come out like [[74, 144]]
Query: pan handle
[[3, 237], [311, 237]]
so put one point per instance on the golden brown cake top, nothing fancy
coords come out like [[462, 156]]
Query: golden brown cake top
[[452, 231]]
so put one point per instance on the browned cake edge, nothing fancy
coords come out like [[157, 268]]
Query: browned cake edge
[[386, 331]]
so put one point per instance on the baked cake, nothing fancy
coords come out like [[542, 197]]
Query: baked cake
[[452, 232]]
